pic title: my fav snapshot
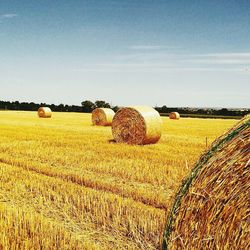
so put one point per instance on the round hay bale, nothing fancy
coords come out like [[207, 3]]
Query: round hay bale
[[174, 116], [102, 116], [137, 125], [212, 208], [44, 112]]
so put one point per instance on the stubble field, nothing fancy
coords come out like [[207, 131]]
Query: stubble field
[[65, 184]]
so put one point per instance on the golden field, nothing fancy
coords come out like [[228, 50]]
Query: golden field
[[66, 185]]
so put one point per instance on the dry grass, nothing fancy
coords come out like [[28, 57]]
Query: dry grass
[[27, 229], [67, 175]]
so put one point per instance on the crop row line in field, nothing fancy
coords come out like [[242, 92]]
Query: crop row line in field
[[134, 195], [151, 196], [138, 170], [109, 211]]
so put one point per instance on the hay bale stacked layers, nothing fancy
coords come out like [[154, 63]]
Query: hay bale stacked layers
[[137, 125], [212, 208], [102, 116], [174, 116], [44, 112]]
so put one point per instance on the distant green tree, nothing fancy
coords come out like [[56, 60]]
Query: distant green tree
[[164, 109], [115, 108], [16, 105], [61, 107], [102, 104], [87, 106], [223, 111]]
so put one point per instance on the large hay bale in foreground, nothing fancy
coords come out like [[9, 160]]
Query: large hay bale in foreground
[[44, 112], [102, 116], [174, 116], [137, 125], [212, 208]]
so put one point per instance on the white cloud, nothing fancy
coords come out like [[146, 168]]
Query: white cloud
[[226, 55], [151, 47], [8, 15], [221, 58], [155, 62], [156, 68]]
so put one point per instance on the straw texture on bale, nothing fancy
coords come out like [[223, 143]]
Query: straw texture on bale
[[137, 125], [102, 116], [174, 115], [44, 112], [212, 208]]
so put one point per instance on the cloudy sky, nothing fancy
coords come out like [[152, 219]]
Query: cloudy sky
[[127, 52]]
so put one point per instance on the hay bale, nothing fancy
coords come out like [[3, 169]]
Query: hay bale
[[137, 125], [211, 209], [102, 116], [44, 112], [174, 116]]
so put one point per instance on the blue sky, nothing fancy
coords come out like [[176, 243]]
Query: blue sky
[[153, 52]]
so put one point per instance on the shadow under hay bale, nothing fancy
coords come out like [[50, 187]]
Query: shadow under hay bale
[[112, 141], [44, 112], [102, 116], [174, 116], [212, 208], [137, 125]]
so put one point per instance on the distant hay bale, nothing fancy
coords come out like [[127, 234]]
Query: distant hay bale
[[44, 112], [212, 208], [102, 116], [137, 125], [174, 115]]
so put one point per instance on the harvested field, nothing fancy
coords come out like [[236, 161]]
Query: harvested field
[[66, 175]]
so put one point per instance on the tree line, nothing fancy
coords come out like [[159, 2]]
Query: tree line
[[88, 106], [203, 111]]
